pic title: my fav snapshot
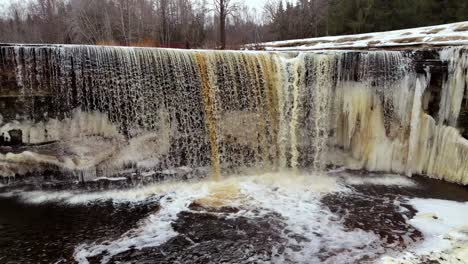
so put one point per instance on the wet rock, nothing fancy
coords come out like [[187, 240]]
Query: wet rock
[[375, 214], [13, 137], [214, 238], [16, 137], [50, 232], [225, 209], [383, 210]]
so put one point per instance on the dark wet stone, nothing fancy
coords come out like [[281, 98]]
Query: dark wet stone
[[213, 238], [377, 208], [49, 232], [15, 138], [438, 189], [378, 214], [225, 209], [425, 187]]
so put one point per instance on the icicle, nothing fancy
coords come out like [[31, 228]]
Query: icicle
[[454, 87]]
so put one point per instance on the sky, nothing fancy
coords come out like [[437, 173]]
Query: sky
[[252, 3], [258, 4]]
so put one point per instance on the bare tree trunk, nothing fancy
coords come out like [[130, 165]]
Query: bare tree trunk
[[129, 26], [222, 24], [164, 32], [122, 23]]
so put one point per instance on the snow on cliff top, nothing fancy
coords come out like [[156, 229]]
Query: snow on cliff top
[[441, 35]]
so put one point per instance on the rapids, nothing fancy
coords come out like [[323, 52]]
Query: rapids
[[282, 217]]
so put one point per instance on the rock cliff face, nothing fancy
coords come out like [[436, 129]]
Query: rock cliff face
[[91, 112]]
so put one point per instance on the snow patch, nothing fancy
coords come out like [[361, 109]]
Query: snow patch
[[110, 179], [448, 34], [445, 229]]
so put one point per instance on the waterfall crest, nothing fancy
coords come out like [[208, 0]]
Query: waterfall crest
[[160, 109]]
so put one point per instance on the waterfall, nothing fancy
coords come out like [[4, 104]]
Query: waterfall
[[231, 110], [382, 125]]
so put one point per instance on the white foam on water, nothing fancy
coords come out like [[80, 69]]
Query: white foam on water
[[153, 230], [134, 195], [297, 200], [379, 179], [444, 225], [295, 197]]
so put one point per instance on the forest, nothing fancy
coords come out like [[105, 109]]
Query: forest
[[212, 23]]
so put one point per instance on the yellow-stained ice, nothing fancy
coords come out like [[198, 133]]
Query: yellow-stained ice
[[418, 145]]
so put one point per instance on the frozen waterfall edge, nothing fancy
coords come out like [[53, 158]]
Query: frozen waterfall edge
[[92, 112]]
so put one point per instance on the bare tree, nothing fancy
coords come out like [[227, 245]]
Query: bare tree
[[224, 8], [166, 23], [270, 9]]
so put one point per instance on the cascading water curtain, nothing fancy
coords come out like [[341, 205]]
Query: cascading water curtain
[[232, 111]]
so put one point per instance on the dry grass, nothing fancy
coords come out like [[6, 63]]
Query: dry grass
[[107, 43], [146, 43], [142, 43]]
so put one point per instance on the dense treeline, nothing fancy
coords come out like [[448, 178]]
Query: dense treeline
[[202, 23], [313, 18]]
